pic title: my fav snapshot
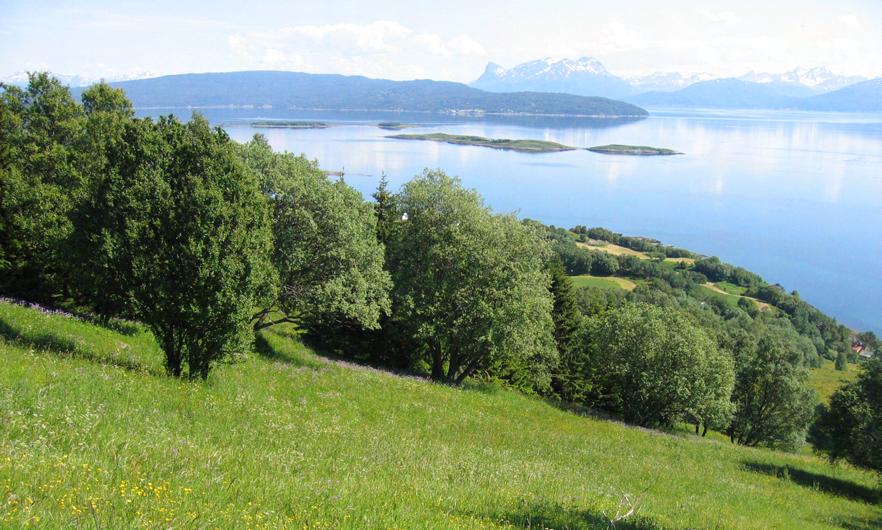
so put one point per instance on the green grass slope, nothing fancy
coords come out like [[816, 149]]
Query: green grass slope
[[827, 379], [92, 435]]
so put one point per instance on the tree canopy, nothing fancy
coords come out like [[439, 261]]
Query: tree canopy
[[655, 367]]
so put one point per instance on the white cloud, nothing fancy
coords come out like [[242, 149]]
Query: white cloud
[[849, 20], [465, 45], [721, 17], [432, 44], [383, 48], [272, 56]]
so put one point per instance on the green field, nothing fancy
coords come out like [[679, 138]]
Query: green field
[[826, 379], [731, 288], [602, 282], [523, 146], [729, 294], [93, 435]]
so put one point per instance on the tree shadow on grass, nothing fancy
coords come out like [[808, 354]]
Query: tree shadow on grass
[[123, 327], [831, 485], [66, 348], [862, 524], [550, 515], [264, 348]]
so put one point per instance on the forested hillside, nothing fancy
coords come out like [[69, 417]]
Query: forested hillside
[[337, 92]]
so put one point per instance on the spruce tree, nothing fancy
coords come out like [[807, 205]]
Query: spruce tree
[[568, 379]]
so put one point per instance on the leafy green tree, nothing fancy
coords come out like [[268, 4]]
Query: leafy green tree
[[604, 264], [568, 377], [851, 427], [654, 367], [327, 257], [192, 237], [712, 406], [92, 250], [41, 178], [773, 402], [471, 287]]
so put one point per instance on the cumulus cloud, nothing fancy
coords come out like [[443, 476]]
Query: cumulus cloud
[[384, 48]]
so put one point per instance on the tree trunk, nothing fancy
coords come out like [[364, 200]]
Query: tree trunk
[[470, 369], [437, 365], [453, 367], [173, 362]]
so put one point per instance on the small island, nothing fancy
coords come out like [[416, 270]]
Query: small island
[[284, 124], [393, 125], [523, 146], [632, 150]]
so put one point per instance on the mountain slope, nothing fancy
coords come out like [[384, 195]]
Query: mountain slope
[[338, 92], [862, 97], [92, 434], [665, 82], [583, 76], [719, 93]]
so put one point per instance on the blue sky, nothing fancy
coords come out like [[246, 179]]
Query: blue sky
[[453, 39]]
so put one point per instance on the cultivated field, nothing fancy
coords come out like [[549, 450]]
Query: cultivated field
[[603, 282]]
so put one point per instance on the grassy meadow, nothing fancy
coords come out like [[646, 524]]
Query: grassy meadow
[[602, 282], [826, 379], [729, 294], [94, 435]]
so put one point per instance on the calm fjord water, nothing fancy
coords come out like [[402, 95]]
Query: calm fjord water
[[795, 197]]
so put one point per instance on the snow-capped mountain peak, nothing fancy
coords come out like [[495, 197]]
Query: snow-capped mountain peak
[[550, 68], [581, 75], [819, 78]]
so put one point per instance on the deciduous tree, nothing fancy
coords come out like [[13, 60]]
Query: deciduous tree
[[470, 286]]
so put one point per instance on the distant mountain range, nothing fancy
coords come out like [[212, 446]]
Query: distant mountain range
[[337, 92], [819, 80], [584, 76], [801, 88], [736, 93]]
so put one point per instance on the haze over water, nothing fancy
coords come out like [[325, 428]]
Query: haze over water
[[795, 197]]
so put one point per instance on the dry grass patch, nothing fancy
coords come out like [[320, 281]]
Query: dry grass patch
[[610, 248]]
